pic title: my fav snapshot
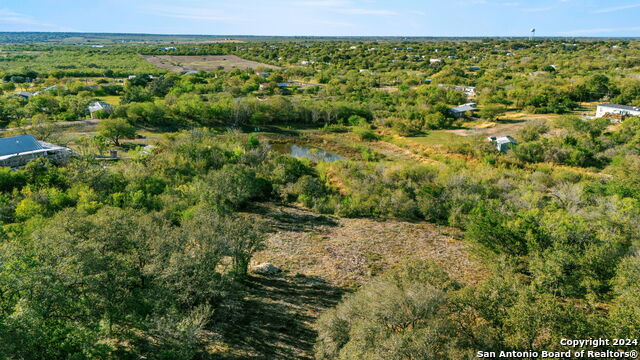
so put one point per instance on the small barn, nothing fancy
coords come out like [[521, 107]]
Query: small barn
[[504, 143], [18, 150], [616, 112], [99, 106], [25, 94], [462, 110]]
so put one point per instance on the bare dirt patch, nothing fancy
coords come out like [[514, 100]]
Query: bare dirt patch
[[323, 258], [347, 252], [500, 129], [203, 62]]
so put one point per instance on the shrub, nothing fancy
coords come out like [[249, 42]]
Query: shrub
[[401, 315], [365, 133]]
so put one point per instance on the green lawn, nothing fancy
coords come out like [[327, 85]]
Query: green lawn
[[434, 138], [113, 100]]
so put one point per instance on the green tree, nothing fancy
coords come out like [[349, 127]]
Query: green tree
[[492, 112], [116, 129]]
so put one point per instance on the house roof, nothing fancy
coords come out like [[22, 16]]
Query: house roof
[[621, 107], [19, 144], [24, 93], [98, 105], [464, 108], [505, 140]]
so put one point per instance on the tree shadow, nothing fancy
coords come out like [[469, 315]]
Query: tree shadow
[[292, 219], [280, 312], [510, 121], [292, 132]]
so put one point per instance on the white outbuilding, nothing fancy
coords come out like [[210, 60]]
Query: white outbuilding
[[604, 110]]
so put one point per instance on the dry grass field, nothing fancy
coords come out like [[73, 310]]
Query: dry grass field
[[203, 62], [347, 252], [323, 258]]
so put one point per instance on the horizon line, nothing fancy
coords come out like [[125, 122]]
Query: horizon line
[[328, 36]]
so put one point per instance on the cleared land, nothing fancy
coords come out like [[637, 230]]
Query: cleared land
[[348, 252], [203, 63], [322, 258]]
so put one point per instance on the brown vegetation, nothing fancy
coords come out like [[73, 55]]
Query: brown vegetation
[[203, 63]]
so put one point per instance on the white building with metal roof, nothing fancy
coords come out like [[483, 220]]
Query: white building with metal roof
[[613, 109], [503, 143], [98, 106], [463, 110], [18, 150]]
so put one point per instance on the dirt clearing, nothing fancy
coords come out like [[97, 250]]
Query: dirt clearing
[[203, 62], [322, 258], [348, 252]]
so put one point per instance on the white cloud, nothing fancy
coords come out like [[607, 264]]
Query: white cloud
[[360, 11], [332, 23], [190, 13], [617, 8], [472, 2], [344, 7], [542, 9], [323, 3], [12, 18]]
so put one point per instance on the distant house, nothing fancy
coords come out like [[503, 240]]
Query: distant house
[[263, 86], [18, 150], [306, 62], [99, 106], [191, 72], [282, 85], [470, 91], [467, 90], [49, 89], [462, 110], [263, 74], [616, 112], [435, 61], [474, 68], [25, 94], [504, 143]]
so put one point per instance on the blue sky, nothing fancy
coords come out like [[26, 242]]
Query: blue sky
[[328, 17]]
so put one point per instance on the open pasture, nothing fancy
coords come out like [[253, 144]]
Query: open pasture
[[203, 63]]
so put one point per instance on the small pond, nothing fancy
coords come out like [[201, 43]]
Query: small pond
[[307, 152]]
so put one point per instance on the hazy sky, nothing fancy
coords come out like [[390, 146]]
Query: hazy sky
[[327, 17]]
